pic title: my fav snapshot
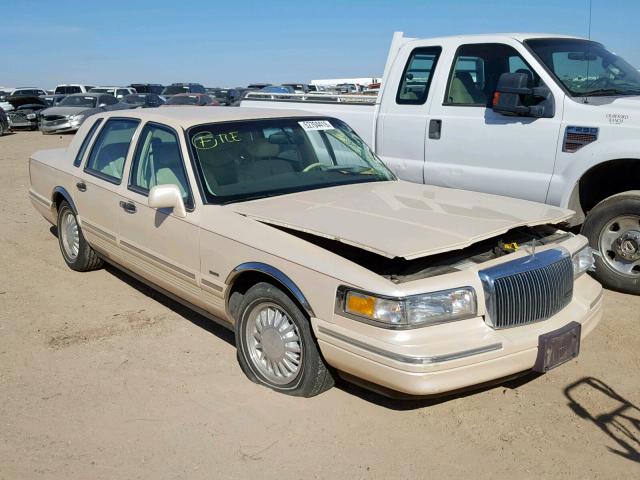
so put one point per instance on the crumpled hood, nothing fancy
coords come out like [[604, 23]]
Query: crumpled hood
[[400, 219]]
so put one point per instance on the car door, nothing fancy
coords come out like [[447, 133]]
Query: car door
[[156, 244], [403, 114], [97, 184], [476, 148]]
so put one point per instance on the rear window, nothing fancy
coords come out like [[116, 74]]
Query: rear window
[[67, 90]]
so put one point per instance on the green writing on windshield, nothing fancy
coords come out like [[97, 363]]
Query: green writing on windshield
[[208, 141]]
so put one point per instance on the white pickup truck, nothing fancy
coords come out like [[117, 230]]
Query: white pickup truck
[[548, 118]]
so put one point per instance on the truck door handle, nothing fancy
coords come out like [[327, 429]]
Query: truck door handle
[[128, 207], [435, 129], [81, 186]]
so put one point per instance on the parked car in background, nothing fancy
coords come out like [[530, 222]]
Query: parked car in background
[[225, 96], [74, 110], [297, 87], [25, 111], [347, 88], [193, 99], [71, 88], [55, 99], [176, 88], [270, 222], [22, 91], [143, 100], [148, 88], [258, 86], [4, 123], [4, 93], [118, 92]]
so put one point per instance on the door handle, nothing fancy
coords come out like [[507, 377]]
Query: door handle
[[435, 129], [81, 186], [128, 207]]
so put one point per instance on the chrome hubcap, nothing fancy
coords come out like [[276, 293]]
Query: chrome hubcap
[[69, 235], [275, 344], [620, 244]]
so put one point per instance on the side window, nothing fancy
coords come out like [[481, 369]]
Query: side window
[[109, 151], [417, 75], [108, 100], [158, 161], [86, 142], [477, 69]]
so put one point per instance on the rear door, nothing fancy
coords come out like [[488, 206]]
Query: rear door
[[155, 243], [403, 115], [98, 183], [479, 149]]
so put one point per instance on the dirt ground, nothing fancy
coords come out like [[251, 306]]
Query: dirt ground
[[101, 378]]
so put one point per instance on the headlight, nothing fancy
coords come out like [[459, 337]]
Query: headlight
[[409, 312], [76, 118], [583, 261], [31, 116]]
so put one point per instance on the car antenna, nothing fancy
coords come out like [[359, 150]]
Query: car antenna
[[586, 97]]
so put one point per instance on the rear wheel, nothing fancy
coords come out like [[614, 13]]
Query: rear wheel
[[276, 347], [77, 253], [613, 228]]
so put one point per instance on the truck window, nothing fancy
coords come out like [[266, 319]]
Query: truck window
[[417, 74], [476, 70]]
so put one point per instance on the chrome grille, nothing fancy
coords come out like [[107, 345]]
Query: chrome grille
[[529, 289]]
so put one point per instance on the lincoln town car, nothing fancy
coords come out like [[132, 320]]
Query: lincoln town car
[[286, 228]]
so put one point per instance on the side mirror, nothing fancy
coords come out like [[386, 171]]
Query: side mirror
[[167, 196], [102, 105], [515, 97]]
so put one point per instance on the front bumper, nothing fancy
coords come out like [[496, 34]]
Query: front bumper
[[451, 356], [58, 126]]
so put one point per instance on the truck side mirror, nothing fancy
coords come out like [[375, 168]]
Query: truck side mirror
[[515, 97], [167, 196]]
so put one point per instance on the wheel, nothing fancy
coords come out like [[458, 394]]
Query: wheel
[[613, 228], [77, 253], [276, 347], [1, 129]]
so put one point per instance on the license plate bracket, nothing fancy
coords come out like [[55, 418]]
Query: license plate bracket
[[558, 347]]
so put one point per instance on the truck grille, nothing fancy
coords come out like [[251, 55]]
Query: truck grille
[[528, 289]]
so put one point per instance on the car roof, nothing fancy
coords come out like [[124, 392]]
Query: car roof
[[187, 117]]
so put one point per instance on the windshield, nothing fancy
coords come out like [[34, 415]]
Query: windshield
[[26, 92], [134, 99], [175, 89], [103, 90], [67, 90], [78, 101], [586, 68], [239, 161], [183, 100]]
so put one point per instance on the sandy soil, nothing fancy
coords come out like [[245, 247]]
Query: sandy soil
[[102, 378]]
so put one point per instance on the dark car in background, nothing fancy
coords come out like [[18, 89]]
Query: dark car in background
[[4, 122], [192, 99], [258, 86], [148, 88], [176, 88], [71, 112], [25, 111], [143, 100], [226, 96]]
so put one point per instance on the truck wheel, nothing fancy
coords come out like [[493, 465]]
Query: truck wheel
[[276, 347], [613, 228], [77, 253]]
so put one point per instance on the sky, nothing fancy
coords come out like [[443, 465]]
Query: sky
[[234, 43]]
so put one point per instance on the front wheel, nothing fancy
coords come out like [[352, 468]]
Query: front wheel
[[76, 252], [613, 228], [276, 347]]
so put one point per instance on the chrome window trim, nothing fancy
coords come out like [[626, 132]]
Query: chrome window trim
[[410, 359]]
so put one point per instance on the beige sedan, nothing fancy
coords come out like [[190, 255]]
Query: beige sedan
[[286, 228]]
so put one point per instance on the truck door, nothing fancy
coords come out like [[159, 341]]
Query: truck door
[[474, 148], [402, 119]]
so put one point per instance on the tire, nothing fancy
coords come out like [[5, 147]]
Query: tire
[[1, 129], [269, 330], [613, 228], [76, 251]]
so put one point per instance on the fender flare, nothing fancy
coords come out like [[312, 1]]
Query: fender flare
[[62, 191], [274, 273]]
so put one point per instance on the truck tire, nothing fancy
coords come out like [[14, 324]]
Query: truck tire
[[613, 228], [276, 347], [76, 251]]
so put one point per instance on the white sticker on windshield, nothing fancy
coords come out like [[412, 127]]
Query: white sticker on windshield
[[316, 125]]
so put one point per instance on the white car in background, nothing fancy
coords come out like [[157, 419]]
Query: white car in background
[[118, 92], [71, 88]]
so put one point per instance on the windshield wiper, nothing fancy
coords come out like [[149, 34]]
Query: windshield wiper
[[604, 92]]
